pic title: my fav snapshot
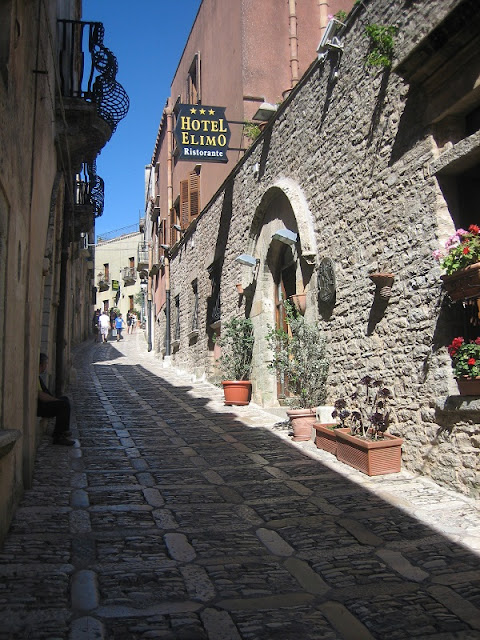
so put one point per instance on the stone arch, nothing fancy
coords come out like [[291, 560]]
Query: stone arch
[[303, 216], [283, 205]]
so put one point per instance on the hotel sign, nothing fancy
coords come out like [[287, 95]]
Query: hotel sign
[[202, 133]]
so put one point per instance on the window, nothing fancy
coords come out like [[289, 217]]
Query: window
[[176, 335], [132, 263], [106, 272], [193, 82], [189, 199], [213, 306], [130, 303], [195, 306]]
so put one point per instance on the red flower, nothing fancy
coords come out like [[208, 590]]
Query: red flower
[[471, 361], [475, 229], [466, 250], [477, 341], [454, 347]]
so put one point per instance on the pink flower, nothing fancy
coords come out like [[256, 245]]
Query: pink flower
[[437, 254]]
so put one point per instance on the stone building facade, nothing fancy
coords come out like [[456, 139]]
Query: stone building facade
[[51, 130], [372, 168], [120, 260]]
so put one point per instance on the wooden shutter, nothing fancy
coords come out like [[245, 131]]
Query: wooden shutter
[[194, 194], [184, 204]]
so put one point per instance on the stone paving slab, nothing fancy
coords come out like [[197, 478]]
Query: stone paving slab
[[177, 517]]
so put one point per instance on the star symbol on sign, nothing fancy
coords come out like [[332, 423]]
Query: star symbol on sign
[[193, 110], [202, 112], [211, 112]]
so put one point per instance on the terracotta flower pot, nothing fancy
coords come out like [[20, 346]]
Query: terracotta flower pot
[[237, 392], [302, 422], [326, 438], [373, 457], [383, 282], [468, 386], [464, 283]]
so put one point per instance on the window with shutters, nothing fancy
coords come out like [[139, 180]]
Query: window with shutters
[[189, 199], [193, 82]]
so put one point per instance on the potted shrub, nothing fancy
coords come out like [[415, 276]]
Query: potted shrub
[[299, 355], [362, 440], [466, 365], [235, 362], [461, 262]]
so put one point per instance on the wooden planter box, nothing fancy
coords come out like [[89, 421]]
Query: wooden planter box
[[326, 438], [373, 457]]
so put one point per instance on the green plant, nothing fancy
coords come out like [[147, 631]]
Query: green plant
[[300, 354], [381, 45], [465, 357], [341, 15], [463, 249], [365, 414], [236, 341], [251, 130]]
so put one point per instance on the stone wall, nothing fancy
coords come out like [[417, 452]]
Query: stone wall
[[352, 152]]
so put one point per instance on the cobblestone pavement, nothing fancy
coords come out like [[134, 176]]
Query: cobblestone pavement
[[176, 517]]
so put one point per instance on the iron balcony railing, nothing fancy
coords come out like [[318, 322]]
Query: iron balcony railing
[[90, 77], [90, 189], [129, 274], [142, 253]]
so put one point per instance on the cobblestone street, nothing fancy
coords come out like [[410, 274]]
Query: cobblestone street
[[176, 517]]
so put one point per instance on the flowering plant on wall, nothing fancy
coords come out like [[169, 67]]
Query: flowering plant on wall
[[465, 357], [462, 250]]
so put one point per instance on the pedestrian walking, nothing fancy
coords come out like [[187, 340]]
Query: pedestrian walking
[[95, 325], [119, 326], [104, 322]]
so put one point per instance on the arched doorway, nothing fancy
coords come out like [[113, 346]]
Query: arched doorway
[[285, 270]]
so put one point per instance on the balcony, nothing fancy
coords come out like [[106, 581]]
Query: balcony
[[89, 192], [142, 257], [129, 275], [93, 102], [103, 282]]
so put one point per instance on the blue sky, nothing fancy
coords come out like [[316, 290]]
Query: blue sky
[[148, 39]]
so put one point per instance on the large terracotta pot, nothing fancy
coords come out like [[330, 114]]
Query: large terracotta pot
[[468, 386], [302, 422], [464, 283], [325, 437], [373, 457], [237, 392]]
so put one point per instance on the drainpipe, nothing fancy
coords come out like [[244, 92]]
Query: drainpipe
[[169, 113], [323, 13], [293, 42], [149, 294]]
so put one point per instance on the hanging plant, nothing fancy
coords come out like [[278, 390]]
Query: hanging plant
[[381, 45], [251, 130]]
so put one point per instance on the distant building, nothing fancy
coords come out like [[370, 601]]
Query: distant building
[[121, 266]]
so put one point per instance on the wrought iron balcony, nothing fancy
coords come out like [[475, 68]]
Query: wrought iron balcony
[[93, 101], [103, 282], [88, 198], [142, 259], [129, 275]]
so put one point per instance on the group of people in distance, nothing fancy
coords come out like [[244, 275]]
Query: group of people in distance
[[103, 322]]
